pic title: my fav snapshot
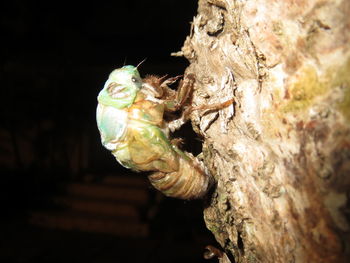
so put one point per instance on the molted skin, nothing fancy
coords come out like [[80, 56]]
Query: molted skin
[[130, 121]]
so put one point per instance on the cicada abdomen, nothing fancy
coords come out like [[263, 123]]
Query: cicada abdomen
[[190, 181]]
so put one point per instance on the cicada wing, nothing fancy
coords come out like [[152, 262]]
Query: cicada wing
[[151, 149], [112, 124]]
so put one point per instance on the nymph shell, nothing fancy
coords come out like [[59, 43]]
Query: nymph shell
[[189, 182]]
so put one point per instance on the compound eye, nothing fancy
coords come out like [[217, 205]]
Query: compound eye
[[133, 79]]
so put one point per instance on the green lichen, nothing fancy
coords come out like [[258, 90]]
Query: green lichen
[[305, 90], [277, 28], [309, 86], [211, 223], [251, 257], [342, 78], [213, 228]]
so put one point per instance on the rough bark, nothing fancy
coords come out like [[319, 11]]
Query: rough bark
[[280, 154]]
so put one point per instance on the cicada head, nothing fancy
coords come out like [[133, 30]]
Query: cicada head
[[121, 87]]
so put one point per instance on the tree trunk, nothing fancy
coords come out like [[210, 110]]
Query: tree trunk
[[280, 153]]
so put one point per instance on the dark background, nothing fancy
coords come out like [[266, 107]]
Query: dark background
[[55, 57]]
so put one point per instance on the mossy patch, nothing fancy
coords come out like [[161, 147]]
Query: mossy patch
[[309, 86], [305, 89]]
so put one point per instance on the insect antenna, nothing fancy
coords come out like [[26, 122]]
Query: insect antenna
[[140, 63], [124, 63]]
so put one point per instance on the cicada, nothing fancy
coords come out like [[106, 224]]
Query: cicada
[[131, 119]]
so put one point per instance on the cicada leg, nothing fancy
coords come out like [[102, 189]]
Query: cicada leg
[[215, 106], [178, 99], [185, 90]]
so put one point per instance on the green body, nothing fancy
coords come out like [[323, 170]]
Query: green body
[[131, 124]]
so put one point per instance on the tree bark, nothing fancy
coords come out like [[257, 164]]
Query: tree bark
[[280, 153]]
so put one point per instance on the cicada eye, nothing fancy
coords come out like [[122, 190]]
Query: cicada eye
[[135, 79]]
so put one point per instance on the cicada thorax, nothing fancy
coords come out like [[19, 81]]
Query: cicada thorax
[[189, 181]]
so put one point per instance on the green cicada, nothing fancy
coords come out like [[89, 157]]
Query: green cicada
[[130, 118]]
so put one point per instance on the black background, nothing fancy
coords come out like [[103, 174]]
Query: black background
[[57, 55], [55, 58]]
